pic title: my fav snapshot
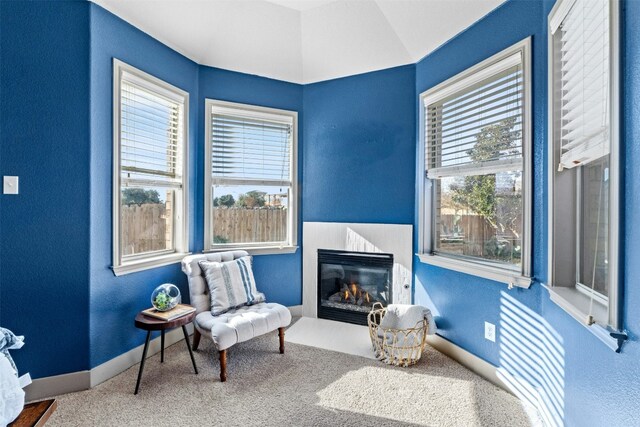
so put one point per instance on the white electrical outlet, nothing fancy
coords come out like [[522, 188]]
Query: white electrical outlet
[[490, 331]]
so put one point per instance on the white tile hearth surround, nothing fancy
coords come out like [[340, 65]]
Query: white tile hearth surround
[[387, 238]]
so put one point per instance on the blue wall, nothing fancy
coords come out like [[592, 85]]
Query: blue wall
[[357, 151], [1, 122], [359, 156], [465, 298], [581, 381], [116, 300], [56, 127], [278, 276], [44, 245]]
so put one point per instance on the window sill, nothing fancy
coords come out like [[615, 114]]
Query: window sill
[[510, 278], [148, 263], [576, 304], [258, 250]]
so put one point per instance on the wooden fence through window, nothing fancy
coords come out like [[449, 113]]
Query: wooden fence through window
[[147, 227], [241, 225], [469, 235]]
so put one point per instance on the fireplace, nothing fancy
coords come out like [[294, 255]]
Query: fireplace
[[349, 283]]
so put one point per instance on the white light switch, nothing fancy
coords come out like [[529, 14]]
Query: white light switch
[[10, 185]]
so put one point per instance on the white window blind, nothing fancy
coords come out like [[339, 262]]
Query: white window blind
[[151, 133], [583, 83], [250, 148], [475, 126]]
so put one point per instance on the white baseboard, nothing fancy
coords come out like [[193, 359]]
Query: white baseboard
[[534, 406], [57, 384], [296, 310], [469, 360], [83, 380]]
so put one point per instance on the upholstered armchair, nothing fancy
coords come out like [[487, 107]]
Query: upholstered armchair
[[236, 325]]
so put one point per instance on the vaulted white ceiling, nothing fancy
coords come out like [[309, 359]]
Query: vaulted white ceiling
[[302, 41]]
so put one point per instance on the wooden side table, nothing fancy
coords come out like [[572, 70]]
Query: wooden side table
[[150, 324]]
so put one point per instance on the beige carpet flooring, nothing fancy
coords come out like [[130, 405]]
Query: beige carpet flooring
[[306, 386]]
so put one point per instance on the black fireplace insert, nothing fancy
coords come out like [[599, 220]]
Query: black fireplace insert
[[349, 283]]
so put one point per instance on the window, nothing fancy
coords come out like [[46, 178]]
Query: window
[[250, 188], [150, 165], [584, 159], [475, 208]]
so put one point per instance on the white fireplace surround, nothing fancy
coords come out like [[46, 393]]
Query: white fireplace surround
[[396, 239]]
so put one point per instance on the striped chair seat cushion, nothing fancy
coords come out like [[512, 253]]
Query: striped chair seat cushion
[[231, 284]]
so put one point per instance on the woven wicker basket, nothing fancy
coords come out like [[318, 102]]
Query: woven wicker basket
[[400, 347]]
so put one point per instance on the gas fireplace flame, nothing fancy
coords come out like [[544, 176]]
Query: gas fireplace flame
[[353, 294]]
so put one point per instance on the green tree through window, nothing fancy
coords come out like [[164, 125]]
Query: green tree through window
[[251, 199], [226, 200], [500, 205], [139, 196]]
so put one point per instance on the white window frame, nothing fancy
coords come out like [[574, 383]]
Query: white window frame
[[130, 264], [264, 113], [493, 271], [573, 299]]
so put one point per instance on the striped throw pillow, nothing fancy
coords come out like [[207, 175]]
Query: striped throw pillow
[[231, 284]]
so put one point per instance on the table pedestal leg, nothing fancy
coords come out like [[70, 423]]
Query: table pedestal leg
[[144, 357], [186, 339]]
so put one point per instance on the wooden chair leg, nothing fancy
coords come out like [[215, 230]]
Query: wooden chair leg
[[223, 365], [281, 335], [196, 339]]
